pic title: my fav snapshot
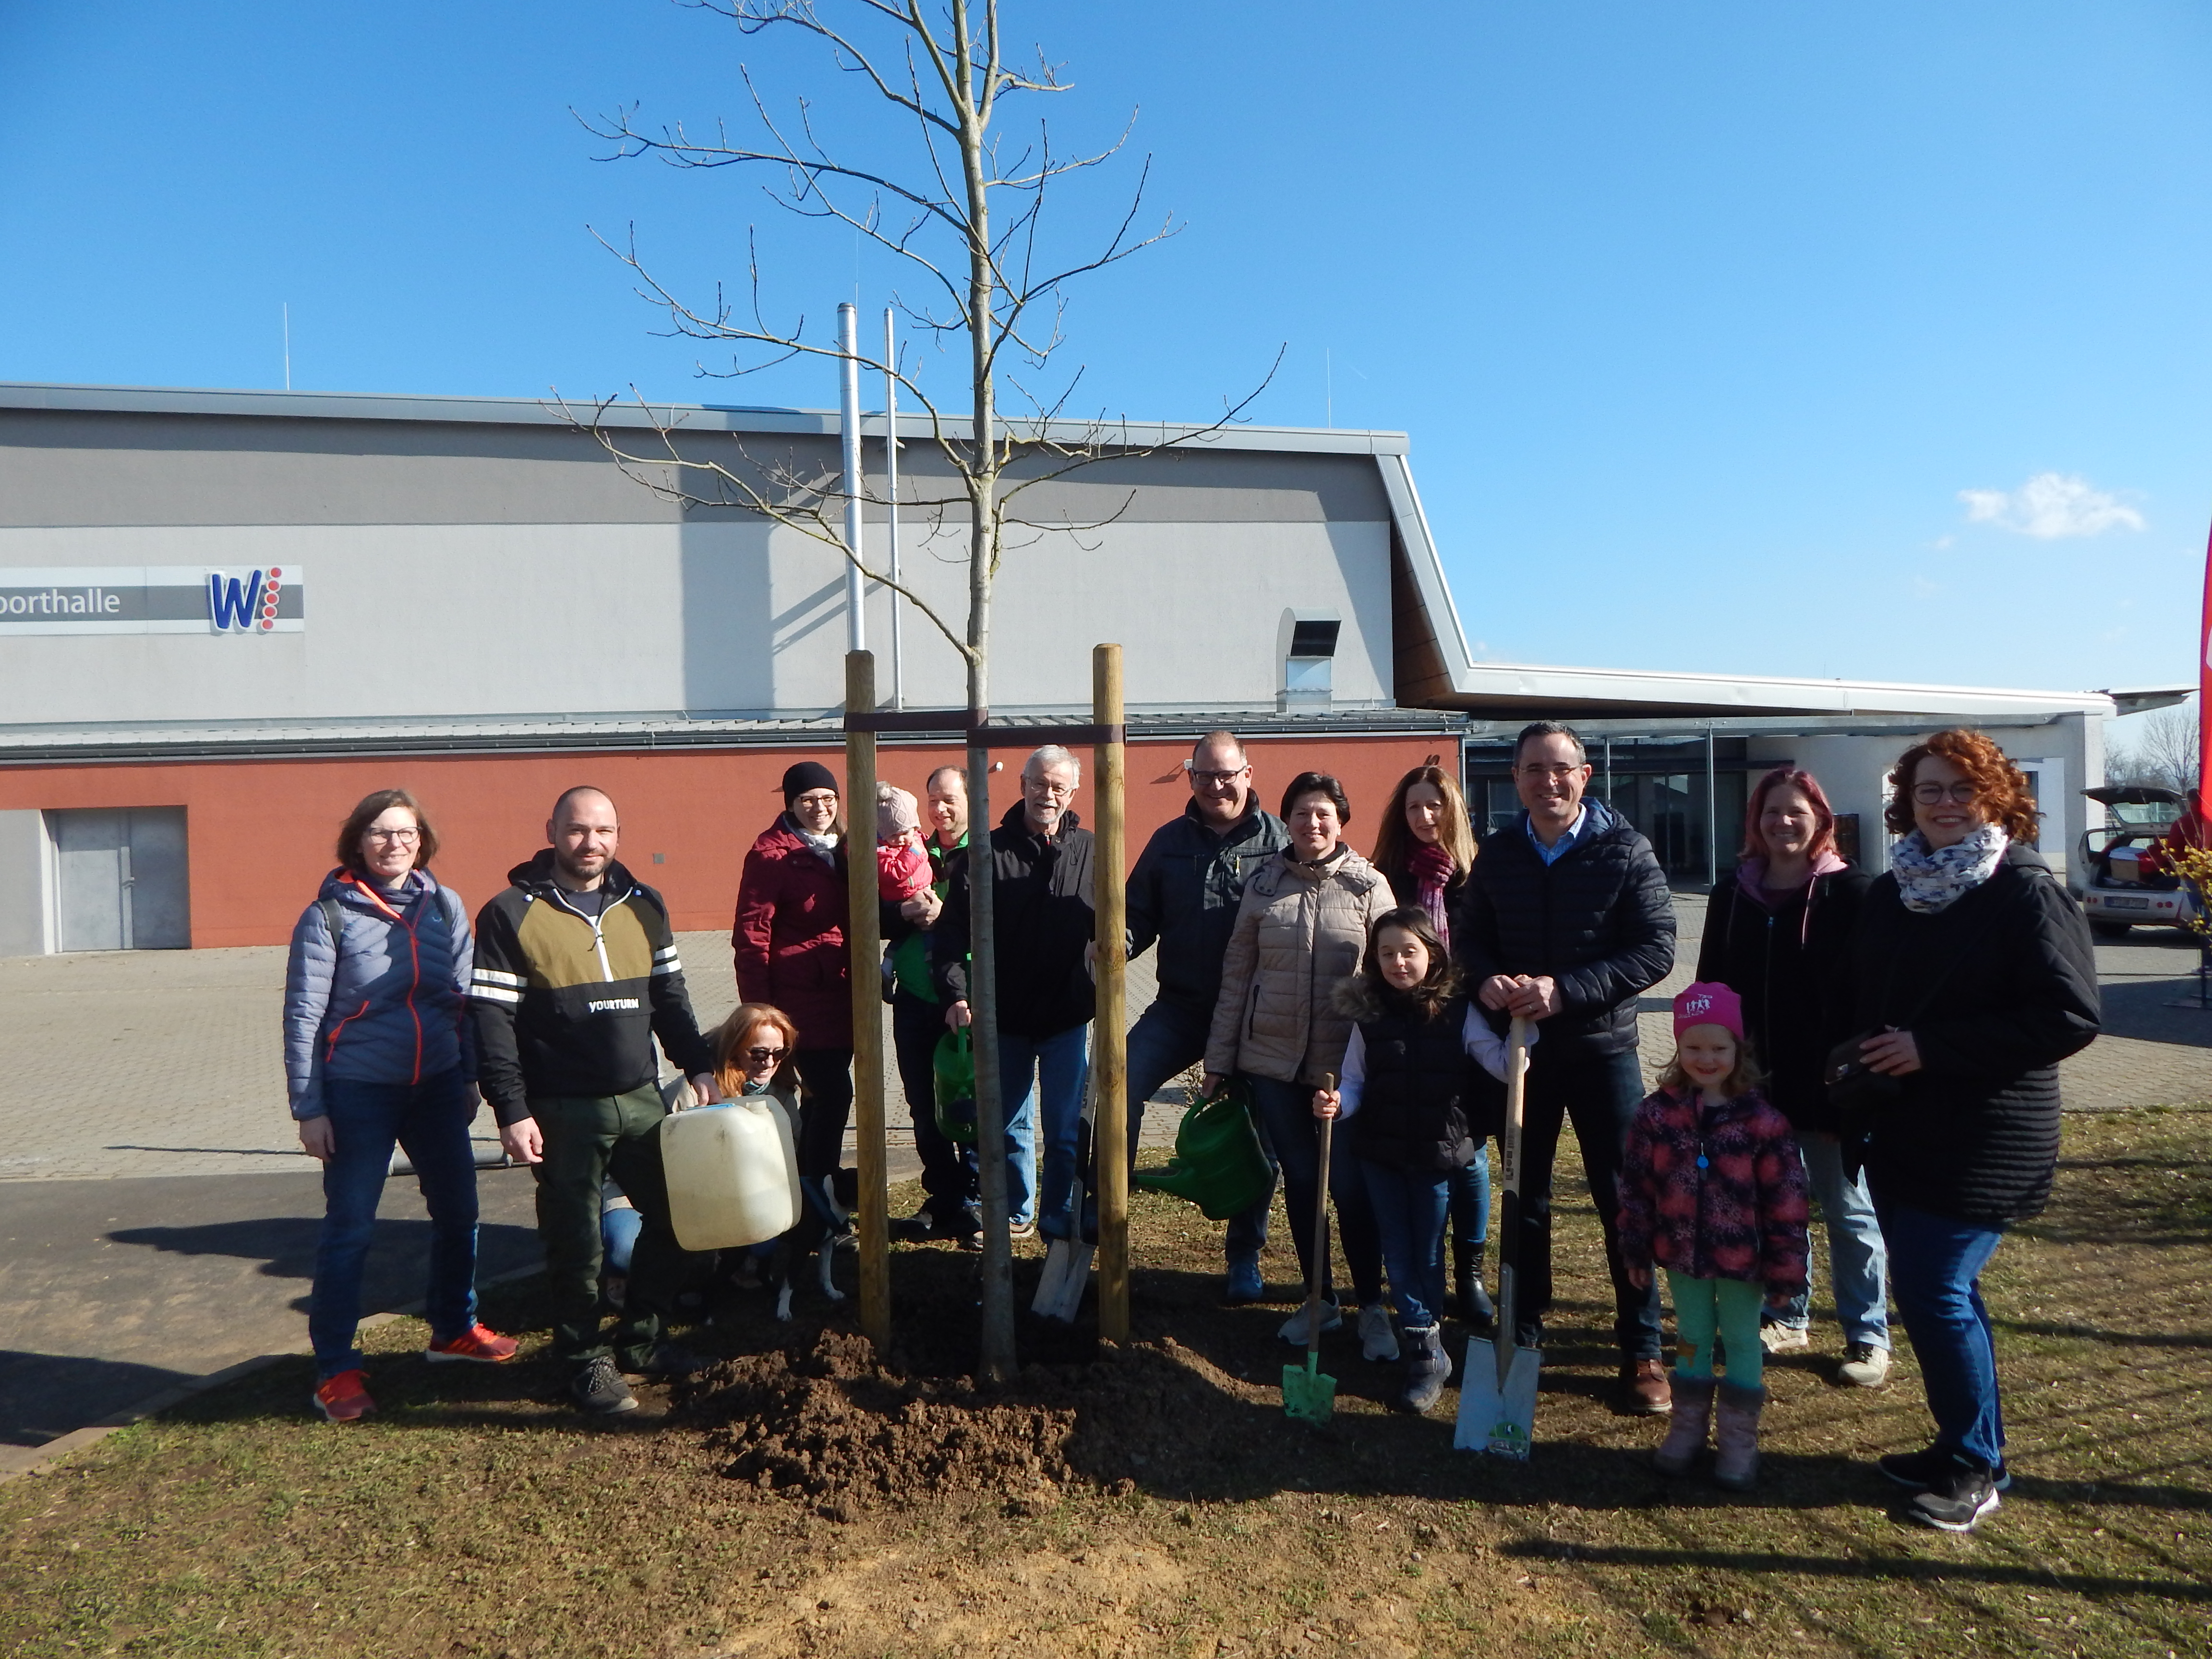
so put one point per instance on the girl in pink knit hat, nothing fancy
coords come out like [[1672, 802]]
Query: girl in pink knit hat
[[1712, 1189]]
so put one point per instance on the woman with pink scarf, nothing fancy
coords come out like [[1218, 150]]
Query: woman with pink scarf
[[1425, 847], [1777, 933]]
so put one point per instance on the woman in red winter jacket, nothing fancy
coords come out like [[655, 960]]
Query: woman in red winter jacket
[[1712, 1188], [789, 941]]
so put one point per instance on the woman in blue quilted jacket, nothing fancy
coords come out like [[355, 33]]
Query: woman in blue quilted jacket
[[378, 1053]]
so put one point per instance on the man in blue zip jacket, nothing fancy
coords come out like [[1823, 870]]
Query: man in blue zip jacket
[[1566, 919], [1184, 895]]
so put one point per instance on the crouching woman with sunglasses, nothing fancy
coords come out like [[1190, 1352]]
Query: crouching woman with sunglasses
[[1970, 978]]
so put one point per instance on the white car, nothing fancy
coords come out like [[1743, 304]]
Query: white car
[[2115, 892]]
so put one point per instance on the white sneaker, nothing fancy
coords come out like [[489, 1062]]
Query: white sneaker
[[1864, 1366], [1785, 1338], [1294, 1327], [1377, 1341]]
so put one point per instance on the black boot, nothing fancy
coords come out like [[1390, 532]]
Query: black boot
[[1474, 1303]]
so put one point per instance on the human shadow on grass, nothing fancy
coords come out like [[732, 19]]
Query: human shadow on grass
[[1947, 1569]]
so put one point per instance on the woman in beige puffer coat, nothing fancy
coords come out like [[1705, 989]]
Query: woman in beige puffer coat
[[1300, 934]]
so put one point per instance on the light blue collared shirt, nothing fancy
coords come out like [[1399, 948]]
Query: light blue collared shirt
[[1558, 849]]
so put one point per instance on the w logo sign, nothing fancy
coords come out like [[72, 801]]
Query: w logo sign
[[244, 605]]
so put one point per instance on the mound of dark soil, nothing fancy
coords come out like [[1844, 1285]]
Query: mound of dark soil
[[828, 1424]]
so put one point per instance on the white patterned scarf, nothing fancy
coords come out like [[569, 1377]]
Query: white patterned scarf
[[1930, 880]]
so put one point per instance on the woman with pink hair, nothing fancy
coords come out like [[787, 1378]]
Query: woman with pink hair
[[1778, 934]]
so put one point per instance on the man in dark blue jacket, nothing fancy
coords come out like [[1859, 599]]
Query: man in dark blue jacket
[[1184, 895], [1567, 918]]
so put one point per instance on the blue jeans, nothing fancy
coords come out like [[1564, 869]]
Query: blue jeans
[[1052, 1070], [1410, 1206], [1165, 1042], [1935, 1276], [1470, 1200], [1294, 1136], [618, 1231], [430, 1120], [1858, 1260]]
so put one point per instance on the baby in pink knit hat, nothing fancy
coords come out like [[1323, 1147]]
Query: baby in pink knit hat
[[901, 857]]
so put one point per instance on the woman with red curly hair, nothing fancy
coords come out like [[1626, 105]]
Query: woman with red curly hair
[[1970, 978]]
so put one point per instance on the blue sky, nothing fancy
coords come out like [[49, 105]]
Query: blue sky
[[1867, 340]]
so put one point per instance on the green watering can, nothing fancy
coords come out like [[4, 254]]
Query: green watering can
[[1218, 1164], [955, 1065]]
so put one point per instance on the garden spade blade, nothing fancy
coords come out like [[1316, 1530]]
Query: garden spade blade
[[1308, 1392], [1498, 1395]]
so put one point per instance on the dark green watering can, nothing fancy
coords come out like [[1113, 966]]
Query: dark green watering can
[[955, 1066], [1218, 1164]]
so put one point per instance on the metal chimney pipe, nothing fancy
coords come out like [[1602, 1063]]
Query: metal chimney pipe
[[848, 343]]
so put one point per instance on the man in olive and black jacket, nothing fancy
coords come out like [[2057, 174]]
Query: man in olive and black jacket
[[1183, 895], [575, 973], [1567, 918], [1043, 922]]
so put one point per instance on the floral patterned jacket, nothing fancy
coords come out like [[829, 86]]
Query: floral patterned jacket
[[1715, 1191]]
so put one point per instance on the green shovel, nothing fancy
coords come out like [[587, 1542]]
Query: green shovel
[[1308, 1392]]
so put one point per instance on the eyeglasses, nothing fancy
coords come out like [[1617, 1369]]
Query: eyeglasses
[[1046, 787], [1218, 780], [1534, 770], [398, 837], [761, 1056], [1935, 794]]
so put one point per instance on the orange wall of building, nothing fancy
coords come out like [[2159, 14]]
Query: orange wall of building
[[262, 832]]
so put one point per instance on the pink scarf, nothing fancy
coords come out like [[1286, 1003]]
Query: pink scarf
[[1432, 869]]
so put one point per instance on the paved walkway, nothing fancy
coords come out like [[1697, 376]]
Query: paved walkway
[[158, 1219]]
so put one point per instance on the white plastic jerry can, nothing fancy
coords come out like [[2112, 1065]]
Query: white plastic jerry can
[[732, 1174]]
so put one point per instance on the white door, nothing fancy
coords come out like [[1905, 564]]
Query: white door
[[124, 878]]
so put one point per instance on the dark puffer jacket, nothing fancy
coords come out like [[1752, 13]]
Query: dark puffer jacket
[[1184, 894], [386, 1001], [1741, 1216], [1784, 957], [1419, 1096], [1041, 909], [1599, 922], [1973, 1134]]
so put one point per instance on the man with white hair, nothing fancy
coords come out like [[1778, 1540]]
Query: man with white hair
[[1041, 896]]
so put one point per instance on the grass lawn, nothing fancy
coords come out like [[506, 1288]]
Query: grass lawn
[[476, 1516]]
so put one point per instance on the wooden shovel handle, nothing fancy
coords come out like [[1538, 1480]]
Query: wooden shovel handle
[[1320, 1232]]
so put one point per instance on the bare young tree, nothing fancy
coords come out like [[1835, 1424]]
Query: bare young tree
[[2164, 754], [965, 209]]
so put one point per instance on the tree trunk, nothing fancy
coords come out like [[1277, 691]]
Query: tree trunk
[[997, 1361]]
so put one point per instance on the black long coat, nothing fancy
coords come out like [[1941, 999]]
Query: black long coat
[[1996, 989]]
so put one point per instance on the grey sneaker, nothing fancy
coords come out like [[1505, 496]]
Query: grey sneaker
[[1785, 1338], [1377, 1341], [1957, 1498], [1864, 1366], [1294, 1328], [599, 1389]]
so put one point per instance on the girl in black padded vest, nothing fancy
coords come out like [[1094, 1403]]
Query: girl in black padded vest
[[1415, 1106]]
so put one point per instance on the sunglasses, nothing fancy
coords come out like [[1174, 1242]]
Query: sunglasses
[[760, 1056]]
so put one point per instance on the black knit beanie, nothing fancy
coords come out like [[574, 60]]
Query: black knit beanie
[[808, 774]]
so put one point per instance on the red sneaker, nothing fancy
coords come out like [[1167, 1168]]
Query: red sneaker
[[345, 1398], [475, 1344]]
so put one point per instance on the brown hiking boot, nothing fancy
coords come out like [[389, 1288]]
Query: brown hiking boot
[[1736, 1437], [1686, 1434], [1643, 1387]]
